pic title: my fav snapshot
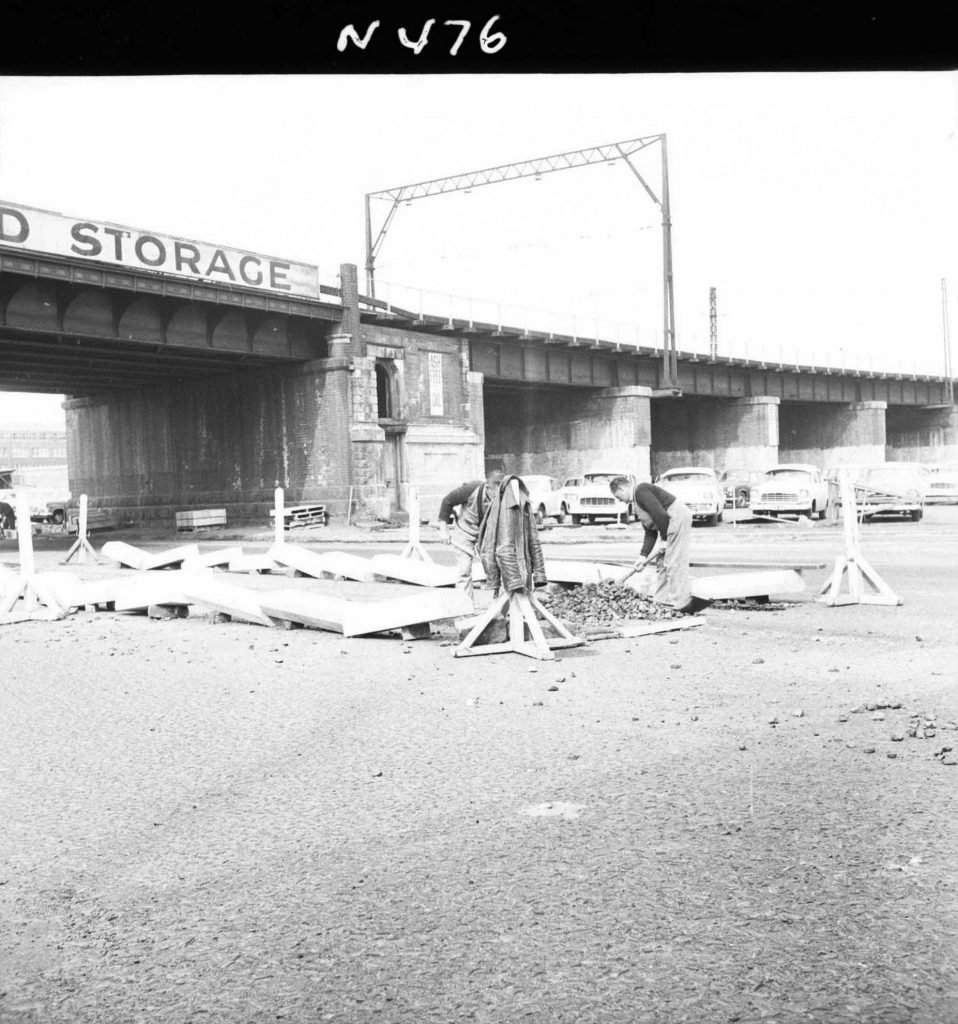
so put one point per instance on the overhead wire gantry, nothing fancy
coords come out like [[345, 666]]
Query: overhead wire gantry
[[536, 168]]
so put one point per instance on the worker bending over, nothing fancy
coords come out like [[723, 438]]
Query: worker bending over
[[473, 500], [668, 527]]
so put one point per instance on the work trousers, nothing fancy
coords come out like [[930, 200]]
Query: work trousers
[[465, 548], [673, 583]]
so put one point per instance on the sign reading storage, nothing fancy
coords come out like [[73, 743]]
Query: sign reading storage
[[23, 227]]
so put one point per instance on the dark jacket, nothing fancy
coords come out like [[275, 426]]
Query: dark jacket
[[656, 501], [508, 543]]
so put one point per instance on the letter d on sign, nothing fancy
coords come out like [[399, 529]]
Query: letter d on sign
[[20, 233]]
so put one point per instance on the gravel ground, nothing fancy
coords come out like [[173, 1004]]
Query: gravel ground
[[235, 825]]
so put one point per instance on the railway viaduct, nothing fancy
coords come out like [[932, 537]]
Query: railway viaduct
[[205, 377]]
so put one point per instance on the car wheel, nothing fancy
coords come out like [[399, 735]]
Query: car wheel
[[711, 520], [576, 520], [563, 512], [541, 514], [741, 499], [58, 517], [916, 515]]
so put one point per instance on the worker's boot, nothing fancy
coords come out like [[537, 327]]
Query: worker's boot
[[695, 605]]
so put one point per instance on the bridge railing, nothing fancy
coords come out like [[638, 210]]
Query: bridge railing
[[510, 319], [505, 317]]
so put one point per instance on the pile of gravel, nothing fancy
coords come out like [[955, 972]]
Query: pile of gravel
[[603, 603]]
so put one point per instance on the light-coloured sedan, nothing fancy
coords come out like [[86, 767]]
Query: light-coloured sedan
[[791, 489], [698, 488], [545, 495]]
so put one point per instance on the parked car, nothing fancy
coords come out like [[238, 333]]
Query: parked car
[[588, 497], [698, 488], [941, 484], [545, 494], [893, 488], [791, 489], [738, 485]]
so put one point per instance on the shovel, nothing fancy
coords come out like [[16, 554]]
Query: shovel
[[638, 567]]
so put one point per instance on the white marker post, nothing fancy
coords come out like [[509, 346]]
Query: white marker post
[[853, 563], [279, 511], [28, 586], [81, 544], [414, 548]]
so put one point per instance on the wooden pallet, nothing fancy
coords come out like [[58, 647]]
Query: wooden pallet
[[198, 519], [96, 519], [302, 515]]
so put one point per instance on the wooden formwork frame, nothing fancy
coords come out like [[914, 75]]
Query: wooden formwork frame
[[522, 608], [29, 586]]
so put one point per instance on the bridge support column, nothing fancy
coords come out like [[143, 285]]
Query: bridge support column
[[563, 433], [827, 435], [914, 434], [737, 434]]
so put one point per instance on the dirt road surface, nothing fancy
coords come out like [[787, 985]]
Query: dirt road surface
[[233, 824]]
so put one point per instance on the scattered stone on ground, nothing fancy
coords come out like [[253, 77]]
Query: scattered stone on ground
[[603, 603]]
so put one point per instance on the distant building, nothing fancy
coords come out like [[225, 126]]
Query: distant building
[[26, 448]]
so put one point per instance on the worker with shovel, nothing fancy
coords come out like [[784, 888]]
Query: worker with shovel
[[473, 500], [668, 529]]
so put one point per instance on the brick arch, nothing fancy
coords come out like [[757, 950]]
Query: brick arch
[[33, 307]]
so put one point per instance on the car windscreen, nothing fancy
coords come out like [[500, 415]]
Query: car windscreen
[[683, 478], [601, 478], [780, 476]]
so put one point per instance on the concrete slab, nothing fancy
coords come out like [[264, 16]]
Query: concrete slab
[[330, 564], [561, 571], [226, 598], [251, 563], [746, 585], [126, 554], [172, 556], [411, 570], [422, 606], [212, 559], [316, 610]]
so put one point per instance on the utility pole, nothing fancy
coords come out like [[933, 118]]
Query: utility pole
[[947, 340], [713, 326]]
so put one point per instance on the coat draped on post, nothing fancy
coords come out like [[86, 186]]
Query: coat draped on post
[[508, 542]]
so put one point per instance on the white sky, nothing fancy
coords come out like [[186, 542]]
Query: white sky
[[823, 207]]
